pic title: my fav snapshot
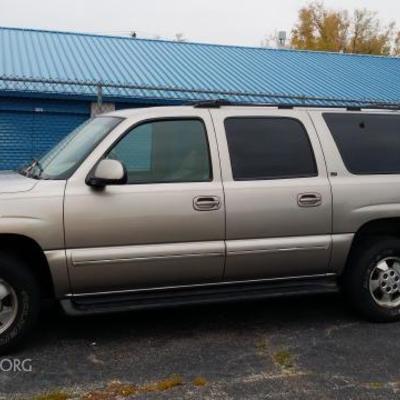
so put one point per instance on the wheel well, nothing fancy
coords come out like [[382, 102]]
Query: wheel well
[[379, 227], [29, 250]]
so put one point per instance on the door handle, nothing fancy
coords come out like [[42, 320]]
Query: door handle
[[206, 203], [309, 200]]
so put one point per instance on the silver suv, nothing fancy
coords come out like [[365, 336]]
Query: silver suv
[[173, 205]]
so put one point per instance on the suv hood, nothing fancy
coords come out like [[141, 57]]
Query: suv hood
[[12, 182]]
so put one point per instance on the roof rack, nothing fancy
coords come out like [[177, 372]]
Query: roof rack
[[218, 103], [213, 103]]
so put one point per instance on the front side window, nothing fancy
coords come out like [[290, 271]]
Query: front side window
[[165, 151], [368, 143], [269, 148]]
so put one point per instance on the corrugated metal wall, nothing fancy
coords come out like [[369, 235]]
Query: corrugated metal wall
[[28, 128], [41, 63]]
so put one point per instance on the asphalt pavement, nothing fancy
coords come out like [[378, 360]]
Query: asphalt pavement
[[310, 347]]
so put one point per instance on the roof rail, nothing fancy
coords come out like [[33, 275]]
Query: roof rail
[[353, 108], [218, 103], [213, 103]]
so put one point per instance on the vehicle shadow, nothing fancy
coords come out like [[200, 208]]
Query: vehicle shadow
[[262, 315]]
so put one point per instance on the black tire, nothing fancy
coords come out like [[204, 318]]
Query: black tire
[[16, 274], [355, 281]]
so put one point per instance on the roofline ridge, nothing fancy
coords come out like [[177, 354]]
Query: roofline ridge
[[204, 44]]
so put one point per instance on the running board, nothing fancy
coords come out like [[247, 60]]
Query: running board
[[108, 303]]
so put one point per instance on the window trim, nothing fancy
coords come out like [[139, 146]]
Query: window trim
[[152, 120], [345, 164], [283, 177]]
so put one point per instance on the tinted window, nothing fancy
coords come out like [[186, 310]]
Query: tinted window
[[165, 151], [269, 148], [368, 144]]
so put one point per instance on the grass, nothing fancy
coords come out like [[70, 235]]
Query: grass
[[375, 385], [113, 390], [117, 389], [165, 384], [53, 396], [262, 345], [199, 381], [284, 359]]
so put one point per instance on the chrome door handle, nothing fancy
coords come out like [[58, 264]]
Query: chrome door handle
[[206, 203], [309, 200]]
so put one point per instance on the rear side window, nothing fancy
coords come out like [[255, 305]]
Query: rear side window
[[368, 143], [269, 148]]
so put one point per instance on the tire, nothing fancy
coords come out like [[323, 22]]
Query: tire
[[19, 282], [365, 276]]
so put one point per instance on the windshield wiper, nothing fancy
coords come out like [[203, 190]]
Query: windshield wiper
[[29, 171], [36, 165]]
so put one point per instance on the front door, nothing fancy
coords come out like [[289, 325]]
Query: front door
[[277, 194], [166, 226]]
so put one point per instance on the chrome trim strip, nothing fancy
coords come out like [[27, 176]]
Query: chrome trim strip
[[289, 249], [278, 245], [145, 252], [288, 278], [141, 259]]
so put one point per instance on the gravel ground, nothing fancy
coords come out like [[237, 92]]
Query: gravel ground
[[309, 347]]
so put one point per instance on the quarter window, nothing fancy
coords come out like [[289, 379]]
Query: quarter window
[[269, 148], [368, 143], [165, 151]]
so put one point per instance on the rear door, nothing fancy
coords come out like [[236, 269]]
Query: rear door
[[277, 194]]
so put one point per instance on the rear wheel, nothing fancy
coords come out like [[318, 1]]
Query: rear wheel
[[372, 278], [19, 302]]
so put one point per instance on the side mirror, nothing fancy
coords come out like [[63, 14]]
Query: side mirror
[[107, 172]]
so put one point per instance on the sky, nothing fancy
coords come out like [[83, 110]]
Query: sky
[[234, 22]]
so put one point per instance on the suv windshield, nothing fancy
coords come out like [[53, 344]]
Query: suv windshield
[[63, 159]]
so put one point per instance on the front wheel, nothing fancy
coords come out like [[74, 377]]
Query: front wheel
[[372, 279], [19, 302]]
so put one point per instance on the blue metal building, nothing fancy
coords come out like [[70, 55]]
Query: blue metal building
[[52, 81]]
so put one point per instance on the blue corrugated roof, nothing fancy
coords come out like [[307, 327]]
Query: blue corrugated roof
[[156, 69]]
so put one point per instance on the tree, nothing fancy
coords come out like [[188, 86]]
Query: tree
[[319, 28], [396, 50], [368, 36]]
